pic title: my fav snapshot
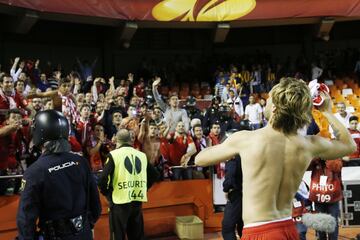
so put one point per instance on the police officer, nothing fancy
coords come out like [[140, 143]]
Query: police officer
[[124, 181], [59, 188], [226, 119], [212, 114], [232, 187], [192, 110]]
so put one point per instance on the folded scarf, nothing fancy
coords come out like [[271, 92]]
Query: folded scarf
[[315, 90]]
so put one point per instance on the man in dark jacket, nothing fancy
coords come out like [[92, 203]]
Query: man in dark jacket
[[58, 189]]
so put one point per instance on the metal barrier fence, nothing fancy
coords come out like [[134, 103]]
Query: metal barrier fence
[[20, 175], [100, 171]]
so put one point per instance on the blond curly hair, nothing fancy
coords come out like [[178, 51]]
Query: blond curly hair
[[293, 105]]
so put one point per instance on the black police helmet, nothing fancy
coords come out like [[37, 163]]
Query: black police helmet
[[244, 125], [149, 100], [191, 101], [240, 126], [224, 108], [216, 98], [49, 125]]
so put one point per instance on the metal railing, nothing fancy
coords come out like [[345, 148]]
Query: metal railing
[[11, 176], [21, 175], [100, 171]]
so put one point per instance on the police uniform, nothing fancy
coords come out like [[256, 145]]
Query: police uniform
[[56, 190], [232, 185], [212, 115], [59, 188], [192, 110], [233, 209], [125, 182]]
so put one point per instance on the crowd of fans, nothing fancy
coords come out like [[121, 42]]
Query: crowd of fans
[[171, 134]]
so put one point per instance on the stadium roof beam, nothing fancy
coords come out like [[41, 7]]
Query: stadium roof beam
[[127, 33], [221, 32], [23, 24], [324, 28]]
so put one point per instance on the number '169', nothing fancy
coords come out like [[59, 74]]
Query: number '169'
[[323, 197]]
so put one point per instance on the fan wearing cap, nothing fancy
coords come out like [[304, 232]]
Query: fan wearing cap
[[57, 174]]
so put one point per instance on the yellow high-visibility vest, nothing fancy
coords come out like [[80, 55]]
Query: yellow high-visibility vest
[[130, 177]]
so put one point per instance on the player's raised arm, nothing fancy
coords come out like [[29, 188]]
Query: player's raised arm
[[220, 153], [342, 145]]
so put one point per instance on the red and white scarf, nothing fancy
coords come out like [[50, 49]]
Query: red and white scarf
[[9, 99], [69, 109], [84, 128]]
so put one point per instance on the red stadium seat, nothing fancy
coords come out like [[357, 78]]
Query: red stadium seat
[[183, 95], [349, 80], [164, 90], [185, 85], [339, 83], [332, 88], [184, 88], [353, 85], [185, 91], [195, 86], [357, 91], [205, 92], [174, 89], [195, 92]]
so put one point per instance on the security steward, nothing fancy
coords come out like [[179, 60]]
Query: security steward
[[125, 179], [232, 186], [58, 189]]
